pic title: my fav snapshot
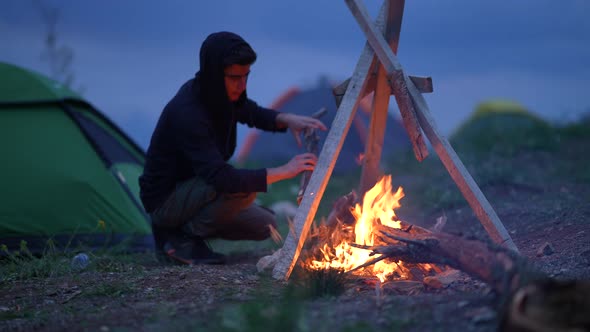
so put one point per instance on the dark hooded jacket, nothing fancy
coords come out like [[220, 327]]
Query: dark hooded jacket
[[196, 133]]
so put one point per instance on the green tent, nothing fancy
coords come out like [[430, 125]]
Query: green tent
[[67, 173]]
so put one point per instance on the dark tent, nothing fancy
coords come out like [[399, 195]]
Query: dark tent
[[67, 172], [265, 148]]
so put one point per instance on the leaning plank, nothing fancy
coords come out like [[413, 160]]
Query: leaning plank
[[374, 145], [476, 199], [470, 190], [424, 85], [409, 120], [327, 158]]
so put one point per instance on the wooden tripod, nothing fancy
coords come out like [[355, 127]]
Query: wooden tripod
[[379, 71]]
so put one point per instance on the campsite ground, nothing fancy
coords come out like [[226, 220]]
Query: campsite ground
[[541, 194]]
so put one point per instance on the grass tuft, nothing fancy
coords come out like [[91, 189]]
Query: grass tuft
[[22, 264], [266, 313], [110, 289], [321, 283]]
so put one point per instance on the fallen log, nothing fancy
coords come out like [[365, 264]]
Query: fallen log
[[501, 268], [532, 301], [529, 300]]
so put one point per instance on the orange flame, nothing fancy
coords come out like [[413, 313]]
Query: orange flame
[[378, 207]]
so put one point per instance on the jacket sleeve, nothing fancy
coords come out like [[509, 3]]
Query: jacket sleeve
[[259, 117], [197, 145]]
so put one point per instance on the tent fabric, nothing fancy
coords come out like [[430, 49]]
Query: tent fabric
[[266, 148], [67, 172], [21, 85]]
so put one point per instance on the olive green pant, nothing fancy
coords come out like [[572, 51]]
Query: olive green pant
[[198, 210]]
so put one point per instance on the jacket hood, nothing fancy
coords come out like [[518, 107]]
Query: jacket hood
[[210, 77]]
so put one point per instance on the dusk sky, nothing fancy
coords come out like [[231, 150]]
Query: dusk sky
[[130, 57]]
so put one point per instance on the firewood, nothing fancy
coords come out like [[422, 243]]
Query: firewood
[[501, 268], [340, 212], [534, 301], [311, 139], [531, 300]]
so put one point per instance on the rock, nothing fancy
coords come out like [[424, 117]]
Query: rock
[[405, 286], [284, 208], [442, 279], [440, 224], [268, 262], [462, 304], [253, 278], [482, 315], [545, 250]]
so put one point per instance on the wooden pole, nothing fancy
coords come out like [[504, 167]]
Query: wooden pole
[[374, 145], [403, 99], [326, 160], [424, 85], [412, 98]]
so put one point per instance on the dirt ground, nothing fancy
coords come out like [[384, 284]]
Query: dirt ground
[[550, 210]]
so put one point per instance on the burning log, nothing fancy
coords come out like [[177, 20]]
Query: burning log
[[501, 268], [534, 301], [375, 231]]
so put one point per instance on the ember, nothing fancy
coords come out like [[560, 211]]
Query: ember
[[344, 250]]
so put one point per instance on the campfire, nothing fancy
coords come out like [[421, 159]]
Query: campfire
[[345, 243]]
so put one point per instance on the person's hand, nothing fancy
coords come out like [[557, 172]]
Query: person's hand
[[298, 123], [299, 163]]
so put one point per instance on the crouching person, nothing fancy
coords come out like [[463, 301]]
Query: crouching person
[[188, 187]]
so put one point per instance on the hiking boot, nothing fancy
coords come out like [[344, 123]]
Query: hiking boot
[[161, 236], [190, 251], [178, 249], [203, 254]]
